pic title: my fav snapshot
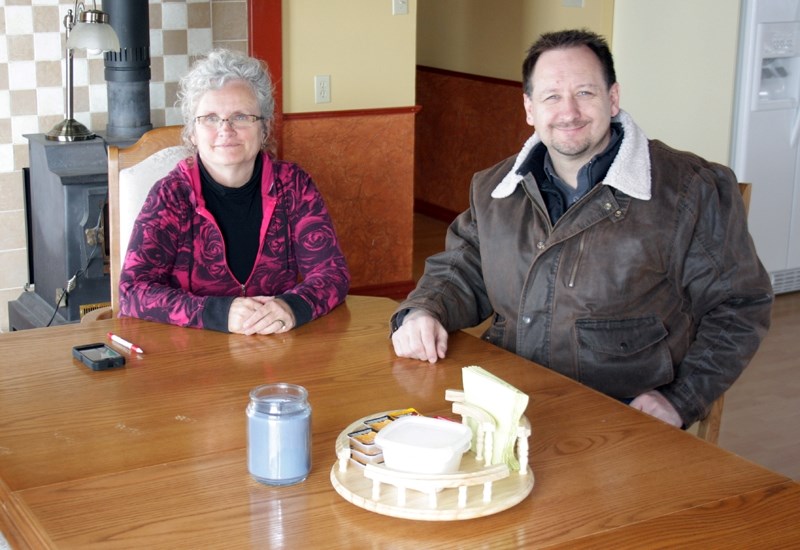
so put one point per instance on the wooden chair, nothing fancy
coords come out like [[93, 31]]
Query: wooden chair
[[132, 171], [708, 428]]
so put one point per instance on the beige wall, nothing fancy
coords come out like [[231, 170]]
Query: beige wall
[[369, 53], [490, 38], [677, 77], [32, 93]]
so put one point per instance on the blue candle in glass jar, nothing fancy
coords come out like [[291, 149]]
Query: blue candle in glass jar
[[279, 434]]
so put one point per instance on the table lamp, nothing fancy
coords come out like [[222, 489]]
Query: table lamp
[[91, 32]]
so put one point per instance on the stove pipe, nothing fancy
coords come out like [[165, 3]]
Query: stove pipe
[[127, 71]]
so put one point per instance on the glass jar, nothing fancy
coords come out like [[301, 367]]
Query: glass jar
[[279, 434]]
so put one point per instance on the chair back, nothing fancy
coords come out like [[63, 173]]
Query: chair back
[[132, 171], [709, 427], [745, 189]]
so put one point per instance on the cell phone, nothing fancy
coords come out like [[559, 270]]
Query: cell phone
[[98, 356]]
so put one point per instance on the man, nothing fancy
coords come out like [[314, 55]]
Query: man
[[603, 255]]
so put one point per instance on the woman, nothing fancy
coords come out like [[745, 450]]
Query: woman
[[232, 239]]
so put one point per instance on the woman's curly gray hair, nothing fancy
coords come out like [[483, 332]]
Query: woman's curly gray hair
[[214, 71]]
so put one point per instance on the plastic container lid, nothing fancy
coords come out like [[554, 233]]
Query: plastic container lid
[[424, 445]]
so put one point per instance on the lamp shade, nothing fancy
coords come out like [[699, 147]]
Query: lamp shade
[[92, 35]]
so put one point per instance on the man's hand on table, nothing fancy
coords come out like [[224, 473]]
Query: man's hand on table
[[655, 404], [420, 337]]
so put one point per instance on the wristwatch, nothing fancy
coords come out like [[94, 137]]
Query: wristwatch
[[397, 320]]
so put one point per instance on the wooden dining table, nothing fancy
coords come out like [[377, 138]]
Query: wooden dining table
[[154, 454]]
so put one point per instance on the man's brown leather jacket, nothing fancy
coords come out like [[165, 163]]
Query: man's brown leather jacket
[[650, 281]]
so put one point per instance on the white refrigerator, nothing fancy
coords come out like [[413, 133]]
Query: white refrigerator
[[766, 133]]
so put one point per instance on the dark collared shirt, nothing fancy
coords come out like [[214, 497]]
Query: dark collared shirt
[[557, 194]]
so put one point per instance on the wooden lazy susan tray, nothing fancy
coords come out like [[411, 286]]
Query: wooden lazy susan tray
[[475, 490]]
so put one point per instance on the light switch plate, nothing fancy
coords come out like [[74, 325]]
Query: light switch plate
[[399, 7]]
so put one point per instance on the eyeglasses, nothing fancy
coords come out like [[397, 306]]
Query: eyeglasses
[[237, 121]]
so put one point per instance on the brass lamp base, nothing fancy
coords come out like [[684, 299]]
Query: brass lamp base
[[69, 129]]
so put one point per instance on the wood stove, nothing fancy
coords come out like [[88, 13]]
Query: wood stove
[[68, 188], [68, 196]]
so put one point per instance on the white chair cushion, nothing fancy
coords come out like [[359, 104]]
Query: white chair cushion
[[135, 183]]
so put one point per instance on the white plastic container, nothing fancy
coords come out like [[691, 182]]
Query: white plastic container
[[424, 445]]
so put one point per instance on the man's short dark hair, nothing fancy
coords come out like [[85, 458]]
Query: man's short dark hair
[[560, 40]]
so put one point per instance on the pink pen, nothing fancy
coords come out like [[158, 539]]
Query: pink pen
[[124, 343]]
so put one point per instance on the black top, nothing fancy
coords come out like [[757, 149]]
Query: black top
[[238, 212]]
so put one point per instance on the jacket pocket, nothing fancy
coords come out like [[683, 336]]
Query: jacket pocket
[[623, 358], [496, 332]]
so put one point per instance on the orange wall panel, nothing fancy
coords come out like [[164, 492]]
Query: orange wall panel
[[467, 123], [363, 163]]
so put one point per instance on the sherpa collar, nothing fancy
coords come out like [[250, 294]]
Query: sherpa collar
[[630, 171]]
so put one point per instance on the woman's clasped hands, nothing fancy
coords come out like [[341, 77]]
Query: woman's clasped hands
[[260, 315]]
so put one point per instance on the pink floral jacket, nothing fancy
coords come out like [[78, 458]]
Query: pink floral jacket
[[175, 270]]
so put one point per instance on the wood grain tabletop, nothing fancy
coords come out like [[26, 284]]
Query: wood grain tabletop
[[153, 455]]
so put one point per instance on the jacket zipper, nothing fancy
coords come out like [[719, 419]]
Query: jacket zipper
[[574, 273]]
